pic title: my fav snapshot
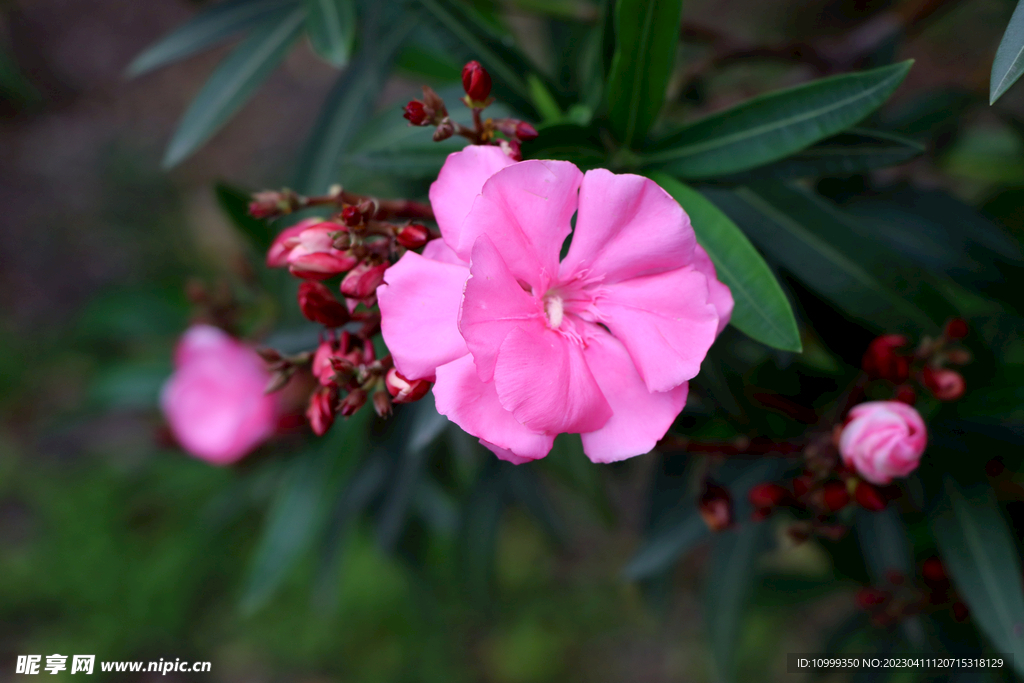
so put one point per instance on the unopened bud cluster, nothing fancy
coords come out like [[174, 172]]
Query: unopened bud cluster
[[888, 361], [350, 249], [431, 111], [902, 597]]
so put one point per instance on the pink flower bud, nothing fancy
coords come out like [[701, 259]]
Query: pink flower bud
[[404, 390], [318, 304], [715, 505], [945, 385], [323, 366], [882, 440], [956, 328], [269, 204], [476, 81], [353, 402], [881, 361], [416, 114], [320, 412], [314, 256], [525, 132], [413, 236], [381, 403], [363, 280], [214, 402], [511, 149], [277, 255]]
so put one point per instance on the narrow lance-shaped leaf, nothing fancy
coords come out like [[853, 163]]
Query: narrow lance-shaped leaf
[[214, 25], [234, 82], [804, 251], [1009, 61], [646, 37], [762, 311], [348, 106], [772, 126], [979, 551], [331, 27], [854, 151], [729, 583]]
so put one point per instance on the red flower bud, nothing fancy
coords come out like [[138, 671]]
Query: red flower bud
[[476, 81], [413, 236], [934, 573], [318, 304], [767, 496], [525, 132], [881, 361], [353, 402], [715, 506], [801, 485], [382, 403], [835, 496], [320, 265], [956, 328], [416, 114], [322, 366], [905, 394], [945, 385], [352, 216], [960, 611], [363, 280], [869, 497], [867, 598], [321, 409], [404, 390]]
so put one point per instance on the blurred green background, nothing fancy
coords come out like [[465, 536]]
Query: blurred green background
[[114, 543]]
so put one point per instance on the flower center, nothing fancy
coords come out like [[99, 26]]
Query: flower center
[[554, 309]]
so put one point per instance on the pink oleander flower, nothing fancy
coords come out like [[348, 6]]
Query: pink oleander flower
[[523, 347], [214, 401], [883, 440]]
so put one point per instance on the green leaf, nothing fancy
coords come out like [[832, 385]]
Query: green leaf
[[509, 69], [1009, 61], [979, 550], [348, 107], [235, 203], [233, 83], [479, 525], [854, 151], [729, 583], [799, 235], [681, 528], [218, 23], [762, 311], [299, 508], [646, 37], [331, 27], [772, 126]]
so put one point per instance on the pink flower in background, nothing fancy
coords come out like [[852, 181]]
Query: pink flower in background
[[214, 401], [882, 440], [523, 347]]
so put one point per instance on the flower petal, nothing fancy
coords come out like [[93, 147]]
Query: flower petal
[[526, 209], [543, 379], [473, 405], [627, 227], [438, 250], [493, 305], [459, 182], [419, 304], [719, 294], [664, 321], [639, 417]]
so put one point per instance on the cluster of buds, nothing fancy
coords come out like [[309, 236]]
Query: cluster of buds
[[431, 111], [901, 598], [886, 360], [354, 245]]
